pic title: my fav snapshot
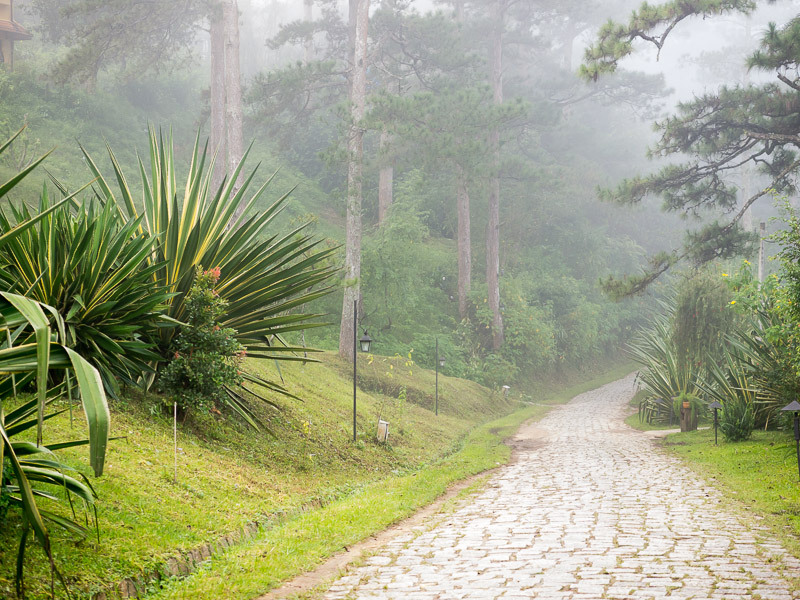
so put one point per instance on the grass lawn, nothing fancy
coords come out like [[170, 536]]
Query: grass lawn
[[758, 476], [229, 475]]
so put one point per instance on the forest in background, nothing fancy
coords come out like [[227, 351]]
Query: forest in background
[[560, 139], [444, 165]]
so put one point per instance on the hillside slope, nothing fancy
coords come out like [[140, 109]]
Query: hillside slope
[[229, 475]]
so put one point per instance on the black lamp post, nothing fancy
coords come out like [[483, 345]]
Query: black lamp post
[[716, 406], [364, 342], [439, 363], [795, 408]]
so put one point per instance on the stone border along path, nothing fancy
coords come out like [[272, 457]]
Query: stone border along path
[[590, 511]]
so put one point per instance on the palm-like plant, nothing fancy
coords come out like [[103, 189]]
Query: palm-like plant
[[29, 350], [663, 374], [760, 365], [90, 266], [731, 384], [265, 278], [28, 353]]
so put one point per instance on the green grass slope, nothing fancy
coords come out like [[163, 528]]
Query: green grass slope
[[229, 475]]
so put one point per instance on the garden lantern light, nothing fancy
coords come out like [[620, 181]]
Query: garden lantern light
[[716, 406], [365, 342], [795, 408]]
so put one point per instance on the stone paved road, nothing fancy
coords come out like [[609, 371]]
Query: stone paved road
[[593, 512]]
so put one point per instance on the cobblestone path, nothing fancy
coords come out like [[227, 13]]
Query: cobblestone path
[[593, 511]]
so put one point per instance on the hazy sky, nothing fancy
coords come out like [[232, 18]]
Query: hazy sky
[[700, 55]]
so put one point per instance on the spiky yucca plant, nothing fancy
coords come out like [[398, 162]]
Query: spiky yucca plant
[[91, 266], [29, 350], [663, 374], [266, 278]]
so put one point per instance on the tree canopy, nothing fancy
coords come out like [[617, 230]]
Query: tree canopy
[[711, 138], [131, 37]]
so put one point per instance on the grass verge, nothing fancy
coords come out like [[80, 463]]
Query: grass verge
[[246, 571], [758, 476], [307, 540], [229, 475]]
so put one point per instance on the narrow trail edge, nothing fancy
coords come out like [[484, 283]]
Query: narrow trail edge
[[527, 437]]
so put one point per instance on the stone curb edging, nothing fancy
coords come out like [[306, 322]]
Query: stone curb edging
[[184, 564]]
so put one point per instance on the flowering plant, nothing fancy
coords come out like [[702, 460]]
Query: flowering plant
[[206, 358]]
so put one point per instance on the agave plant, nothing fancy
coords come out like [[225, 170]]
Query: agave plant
[[761, 367], [730, 384], [11, 233], [265, 278], [91, 267], [663, 374]]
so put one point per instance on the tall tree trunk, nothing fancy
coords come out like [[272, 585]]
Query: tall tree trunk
[[308, 16], [233, 95], [358, 93], [458, 7], [385, 180], [218, 145], [464, 244], [493, 225], [568, 39]]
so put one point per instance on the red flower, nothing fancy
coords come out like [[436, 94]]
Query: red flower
[[214, 274]]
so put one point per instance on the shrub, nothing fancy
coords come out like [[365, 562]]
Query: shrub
[[207, 358], [701, 320], [737, 420], [495, 371]]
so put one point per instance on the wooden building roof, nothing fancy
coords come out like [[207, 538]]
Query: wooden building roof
[[13, 31]]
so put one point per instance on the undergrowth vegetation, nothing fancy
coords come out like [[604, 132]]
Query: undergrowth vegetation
[[730, 339]]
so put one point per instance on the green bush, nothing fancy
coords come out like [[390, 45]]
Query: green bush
[[737, 420], [207, 358], [495, 371], [702, 319]]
